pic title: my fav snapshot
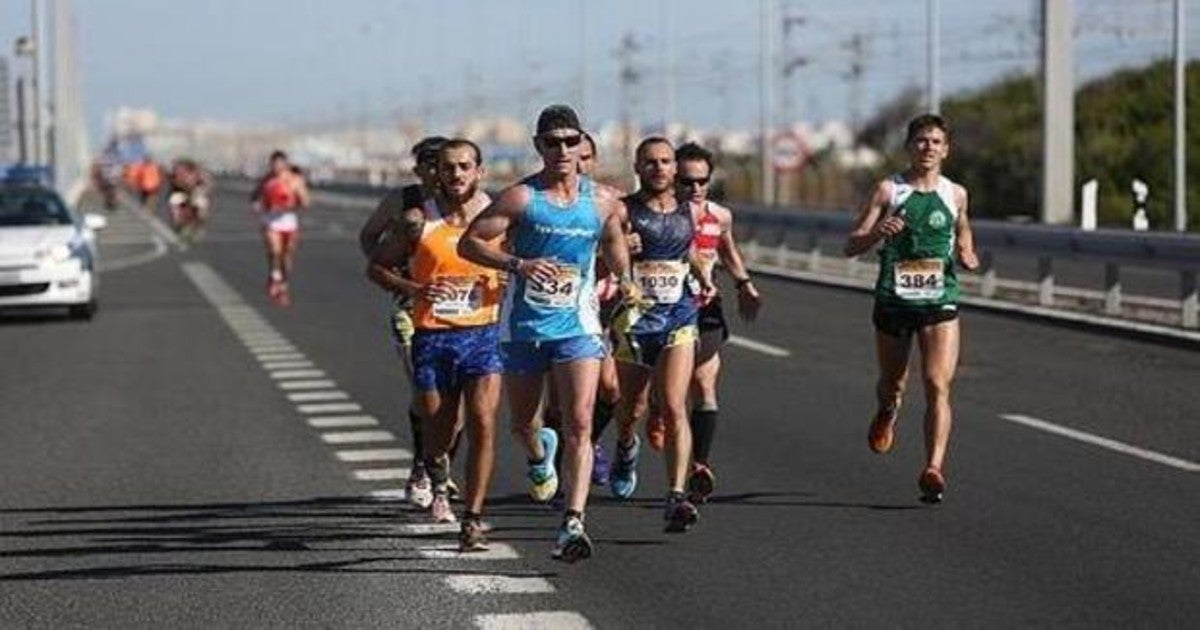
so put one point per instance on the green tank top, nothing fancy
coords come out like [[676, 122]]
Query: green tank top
[[916, 267]]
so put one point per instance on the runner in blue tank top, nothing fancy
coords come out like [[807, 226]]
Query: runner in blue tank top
[[658, 343], [549, 321]]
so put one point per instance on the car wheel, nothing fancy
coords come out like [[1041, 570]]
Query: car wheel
[[84, 311]]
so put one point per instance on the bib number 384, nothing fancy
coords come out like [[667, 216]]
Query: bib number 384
[[920, 279], [561, 292]]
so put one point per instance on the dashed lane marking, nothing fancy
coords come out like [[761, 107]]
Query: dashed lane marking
[[1103, 442]]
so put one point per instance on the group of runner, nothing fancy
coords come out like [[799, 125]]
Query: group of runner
[[585, 304]]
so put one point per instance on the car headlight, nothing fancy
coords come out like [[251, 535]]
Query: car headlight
[[57, 253]]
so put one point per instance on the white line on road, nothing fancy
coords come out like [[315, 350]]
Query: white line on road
[[498, 584], [281, 356], [449, 551], [382, 474], [296, 385], [340, 407], [259, 350], [758, 346], [357, 437], [317, 396], [285, 374], [563, 620], [286, 365], [391, 494], [334, 422], [375, 455], [1103, 442]]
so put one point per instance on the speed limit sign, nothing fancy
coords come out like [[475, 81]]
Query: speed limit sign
[[787, 152]]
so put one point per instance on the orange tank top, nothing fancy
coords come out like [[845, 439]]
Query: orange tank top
[[478, 290]]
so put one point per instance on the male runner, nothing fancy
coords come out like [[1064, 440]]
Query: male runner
[[387, 218], [550, 323], [658, 342], [713, 241], [921, 218], [456, 351], [280, 193]]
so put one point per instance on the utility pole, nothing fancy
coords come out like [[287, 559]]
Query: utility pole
[[933, 28], [35, 54], [858, 54], [585, 70], [1181, 216], [1058, 113], [628, 77], [669, 74], [766, 90], [792, 62]]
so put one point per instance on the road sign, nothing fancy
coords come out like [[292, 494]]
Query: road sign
[[788, 152]]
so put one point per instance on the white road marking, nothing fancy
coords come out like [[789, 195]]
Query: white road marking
[[1103, 442], [382, 474], [286, 365], [281, 356], [295, 385], [272, 348], [391, 494], [341, 407], [375, 455], [428, 529], [317, 396], [357, 437], [284, 374], [333, 422], [116, 264], [449, 551], [498, 584], [263, 340], [758, 346], [560, 620]]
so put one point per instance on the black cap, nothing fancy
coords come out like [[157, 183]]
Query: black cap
[[558, 117], [427, 148]]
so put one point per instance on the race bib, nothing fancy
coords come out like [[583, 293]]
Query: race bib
[[468, 297], [661, 280], [920, 279], [561, 292]]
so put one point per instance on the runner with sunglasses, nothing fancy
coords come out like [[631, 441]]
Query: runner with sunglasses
[[554, 222], [713, 242]]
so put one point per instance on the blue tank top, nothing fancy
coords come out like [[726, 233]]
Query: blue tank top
[[566, 307], [661, 269]]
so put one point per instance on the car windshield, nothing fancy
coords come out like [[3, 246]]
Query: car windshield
[[19, 207]]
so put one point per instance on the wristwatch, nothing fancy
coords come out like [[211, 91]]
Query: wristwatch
[[513, 265]]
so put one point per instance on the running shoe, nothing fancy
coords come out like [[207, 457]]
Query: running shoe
[[882, 435], [601, 465], [623, 481], [700, 483], [273, 289], [680, 514], [542, 475], [419, 488], [932, 484], [472, 536], [573, 542], [656, 432], [452, 490], [440, 509], [285, 295]]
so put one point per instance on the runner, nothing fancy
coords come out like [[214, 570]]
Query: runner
[[456, 346], [921, 218], [278, 196], [550, 323], [713, 241], [389, 216], [658, 343]]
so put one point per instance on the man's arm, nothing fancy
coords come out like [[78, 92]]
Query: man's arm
[[869, 229], [614, 247], [495, 221], [749, 299], [390, 256], [964, 238]]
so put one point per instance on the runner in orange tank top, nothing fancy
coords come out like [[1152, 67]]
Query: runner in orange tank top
[[278, 195], [456, 346]]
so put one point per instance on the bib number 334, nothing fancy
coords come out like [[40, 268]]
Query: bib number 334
[[920, 279], [560, 292]]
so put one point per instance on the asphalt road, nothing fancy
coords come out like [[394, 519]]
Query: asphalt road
[[159, 471]]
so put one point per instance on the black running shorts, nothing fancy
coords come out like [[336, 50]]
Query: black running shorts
[[713, 330], [903, 322]]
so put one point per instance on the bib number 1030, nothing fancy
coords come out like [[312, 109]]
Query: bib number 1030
[[920, 279]]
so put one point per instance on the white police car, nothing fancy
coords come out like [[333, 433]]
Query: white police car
[[47, 251]]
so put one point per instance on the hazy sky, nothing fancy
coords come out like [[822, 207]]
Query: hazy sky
[[321, 60]]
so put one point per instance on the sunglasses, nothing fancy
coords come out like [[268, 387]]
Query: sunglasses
[[688, 182], [568, 142]]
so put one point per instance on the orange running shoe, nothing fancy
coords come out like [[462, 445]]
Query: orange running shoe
[[932, 484], [882, 435], [656, 432]]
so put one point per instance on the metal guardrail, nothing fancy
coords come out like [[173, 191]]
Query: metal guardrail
[[790, 239]]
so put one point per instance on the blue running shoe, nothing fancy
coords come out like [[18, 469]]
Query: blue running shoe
[[601, 466], [573, 542], [543, 476], [623, 481]]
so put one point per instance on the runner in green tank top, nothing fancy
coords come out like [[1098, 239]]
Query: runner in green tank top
[[921, 219]]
